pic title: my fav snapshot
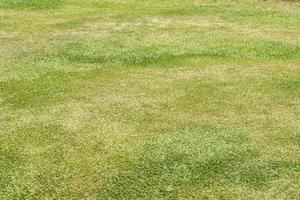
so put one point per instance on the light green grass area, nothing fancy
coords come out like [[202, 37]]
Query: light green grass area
[[149, 99]]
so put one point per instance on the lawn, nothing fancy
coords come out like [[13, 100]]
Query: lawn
[[149, 99]]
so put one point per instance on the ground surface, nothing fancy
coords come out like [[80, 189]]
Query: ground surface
[[128, 99]]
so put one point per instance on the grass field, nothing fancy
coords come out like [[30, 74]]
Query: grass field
[[149, 99]]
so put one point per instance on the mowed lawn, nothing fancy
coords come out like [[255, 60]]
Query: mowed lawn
[[149, 99]]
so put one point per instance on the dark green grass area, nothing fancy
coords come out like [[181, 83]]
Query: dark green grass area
[[290, 85], [36, 92], [183, 158], [102, 52], [30, 4], [205, 157], [89, 53]]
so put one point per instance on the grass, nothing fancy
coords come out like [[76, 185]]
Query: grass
[[149, 99]]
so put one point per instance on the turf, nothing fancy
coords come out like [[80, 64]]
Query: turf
[[156, 99]]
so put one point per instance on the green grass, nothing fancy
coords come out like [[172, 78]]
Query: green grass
[[29, 4], [156, 99]]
